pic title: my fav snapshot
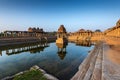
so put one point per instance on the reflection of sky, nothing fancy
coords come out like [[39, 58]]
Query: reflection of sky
[[47, 59], [49, 14]]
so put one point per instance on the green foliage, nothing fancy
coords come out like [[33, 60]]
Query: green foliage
[[98, 30], [31, 75]]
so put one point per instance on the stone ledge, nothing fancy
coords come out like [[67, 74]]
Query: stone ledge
[[48, 76], [87, 66]]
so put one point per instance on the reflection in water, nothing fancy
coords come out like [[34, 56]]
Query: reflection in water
[[32, 48], [62, 50], [84, 43], [0, 52], [63, 67]]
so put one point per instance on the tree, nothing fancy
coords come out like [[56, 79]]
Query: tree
[[98, 30]]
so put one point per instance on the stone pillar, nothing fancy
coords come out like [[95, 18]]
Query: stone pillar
[[5, 34], [7, 51]]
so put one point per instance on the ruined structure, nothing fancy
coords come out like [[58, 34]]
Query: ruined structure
[[85, 35], [61, 35], [114, 31], [37, 30], [109, 34], [100, 64], [84, 43], [96, 36], [32, 32], [112, 35]]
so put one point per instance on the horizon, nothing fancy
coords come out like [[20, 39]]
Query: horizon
[[50, 14]]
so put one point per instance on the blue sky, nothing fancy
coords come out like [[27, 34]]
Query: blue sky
[[50, 14]]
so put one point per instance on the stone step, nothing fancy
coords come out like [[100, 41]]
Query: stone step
[[106, 67], [83, 67], [97, 72], [92, 65], [89, 65], [104, 74]]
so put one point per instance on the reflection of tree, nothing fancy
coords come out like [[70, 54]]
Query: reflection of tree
[[61, 50]]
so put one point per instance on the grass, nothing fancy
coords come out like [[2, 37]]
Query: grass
[[31, 75]]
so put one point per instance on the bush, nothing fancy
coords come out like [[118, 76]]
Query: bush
[[31, 75]]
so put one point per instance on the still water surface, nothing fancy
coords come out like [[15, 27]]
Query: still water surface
[[62, 64]]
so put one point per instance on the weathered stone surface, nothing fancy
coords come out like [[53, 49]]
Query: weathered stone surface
[[50, 77], [89, 72], [34, 67], [97, 73]]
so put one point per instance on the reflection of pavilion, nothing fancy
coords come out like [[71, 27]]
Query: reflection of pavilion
[[61, 41], [61, 50]]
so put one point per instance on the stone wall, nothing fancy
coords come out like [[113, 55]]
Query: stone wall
[[22, 40]]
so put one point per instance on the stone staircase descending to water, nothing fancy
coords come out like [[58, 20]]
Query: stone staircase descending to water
[[91, 68], [97, 67]]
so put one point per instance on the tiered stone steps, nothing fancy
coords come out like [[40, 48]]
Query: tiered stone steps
[[97, 73], [91, 68]]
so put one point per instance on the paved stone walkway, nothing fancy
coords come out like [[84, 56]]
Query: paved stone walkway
[[111, 71]]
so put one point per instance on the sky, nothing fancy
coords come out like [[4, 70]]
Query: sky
[[50, 14]]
